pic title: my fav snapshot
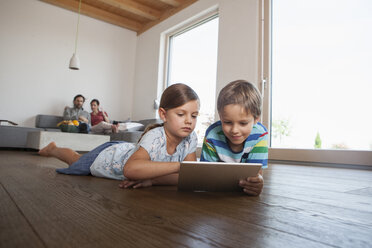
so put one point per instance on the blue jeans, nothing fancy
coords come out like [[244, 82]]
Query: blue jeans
[[84, 127], [82, 166]]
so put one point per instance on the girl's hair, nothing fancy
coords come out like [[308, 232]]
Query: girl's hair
[[243, 93], [174, 96], [94, 100]]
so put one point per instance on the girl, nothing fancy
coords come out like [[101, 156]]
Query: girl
[[100, 121], [155, 160]]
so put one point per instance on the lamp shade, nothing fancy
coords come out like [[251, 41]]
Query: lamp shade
[[74, 62]]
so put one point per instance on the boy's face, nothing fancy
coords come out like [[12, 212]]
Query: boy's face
[[237, 125]]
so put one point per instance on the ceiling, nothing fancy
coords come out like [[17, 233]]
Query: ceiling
[[136, 15]]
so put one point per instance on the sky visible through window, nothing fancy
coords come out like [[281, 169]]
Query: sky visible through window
[[193, 61], [321, 82]]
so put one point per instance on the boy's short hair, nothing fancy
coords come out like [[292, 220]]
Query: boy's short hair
[[243, 93]]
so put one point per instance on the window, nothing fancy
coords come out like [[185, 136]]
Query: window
[[192, 60], [320, 82]]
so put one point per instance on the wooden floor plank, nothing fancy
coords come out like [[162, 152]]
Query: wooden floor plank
[[364, 191], [330, 198], [15, 230], [202, 227], [199, 217], [316, 183], [81, 211], [297, 222], [337, 179], [330, 173]]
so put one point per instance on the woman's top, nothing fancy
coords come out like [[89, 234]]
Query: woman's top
[[110, 162], [97, 118]]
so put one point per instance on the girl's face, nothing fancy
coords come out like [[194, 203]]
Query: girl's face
[[94, 106], [180, 121], [237, 125]]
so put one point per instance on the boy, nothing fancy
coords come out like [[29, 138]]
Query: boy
[[238, 136]]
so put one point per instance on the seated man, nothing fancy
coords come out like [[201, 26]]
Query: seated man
[[78, 113]]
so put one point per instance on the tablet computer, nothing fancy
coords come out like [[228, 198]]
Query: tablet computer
[[214, 176]]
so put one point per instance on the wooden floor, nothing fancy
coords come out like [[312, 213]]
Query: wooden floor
[[301, 206]]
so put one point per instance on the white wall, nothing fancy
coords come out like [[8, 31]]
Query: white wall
[[117, 67], [36, 43], [238, 49]]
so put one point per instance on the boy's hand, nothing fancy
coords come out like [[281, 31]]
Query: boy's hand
[[252, 185], [135, 184]]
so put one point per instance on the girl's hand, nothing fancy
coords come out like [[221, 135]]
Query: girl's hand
[[252, 185], [135, 184]]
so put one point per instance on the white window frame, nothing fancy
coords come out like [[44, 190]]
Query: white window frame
[[198, 20], [285, 155], [188, 25]]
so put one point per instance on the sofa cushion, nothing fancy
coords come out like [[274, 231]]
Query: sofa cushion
[[131, 126], [130, 136], [47, 121], [15, 137], [147, 122]]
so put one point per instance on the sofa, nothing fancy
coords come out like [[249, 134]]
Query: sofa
[[17, 137], [14, 136]]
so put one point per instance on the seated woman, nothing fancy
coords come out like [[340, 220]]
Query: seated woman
[[100, 121]]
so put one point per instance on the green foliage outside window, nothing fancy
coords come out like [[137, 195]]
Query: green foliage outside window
[[318, 141], [280, 129]]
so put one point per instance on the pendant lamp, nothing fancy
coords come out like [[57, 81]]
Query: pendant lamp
[[74, 61]]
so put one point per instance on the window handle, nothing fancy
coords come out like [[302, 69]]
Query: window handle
[[263, 87]]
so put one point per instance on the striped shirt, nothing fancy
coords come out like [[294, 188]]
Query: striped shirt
[[216, 149]]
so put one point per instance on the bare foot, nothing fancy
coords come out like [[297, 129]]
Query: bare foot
[[114, 128], [46, 150]]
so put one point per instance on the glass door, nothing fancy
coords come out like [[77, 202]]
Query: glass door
[[321, 58]]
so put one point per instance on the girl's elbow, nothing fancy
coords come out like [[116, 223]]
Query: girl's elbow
[[125, 172], [130, 173]]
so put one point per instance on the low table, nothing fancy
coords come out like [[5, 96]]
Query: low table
[[75, 141]]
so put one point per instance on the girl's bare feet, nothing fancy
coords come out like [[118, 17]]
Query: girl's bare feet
[[47, 150]]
